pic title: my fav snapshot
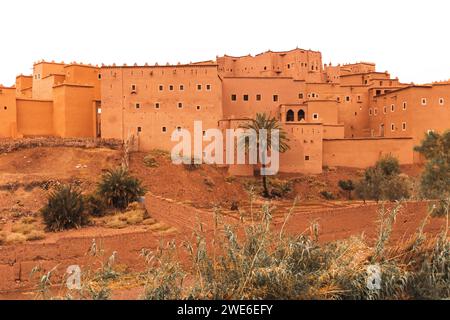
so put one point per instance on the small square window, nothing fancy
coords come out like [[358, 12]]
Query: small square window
[[137, 105], [245, 97], [208, 87], [171, 87], [258, 97], [199, 87], [441, 101], [181, 87], [275, 98], [161, 87], [157, 105], [347, 98], [199, 107], [424, 101], [133, 88], [139, 129], [233, 97], [179, 128], [164, 129], [180, 105], [315, 116], [300, 95], [307, 158]]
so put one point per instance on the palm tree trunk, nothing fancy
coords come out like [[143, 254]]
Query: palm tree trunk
[[264, 181]]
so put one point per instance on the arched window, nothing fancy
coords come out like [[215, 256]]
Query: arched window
[[290, 116], [301, 115]]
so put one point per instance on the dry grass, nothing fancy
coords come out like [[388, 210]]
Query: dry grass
[[35, 235], [26, 229], [133, 216], [15, 238], [270, 265]]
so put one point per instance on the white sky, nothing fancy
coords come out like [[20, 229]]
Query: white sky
[[407, 37]]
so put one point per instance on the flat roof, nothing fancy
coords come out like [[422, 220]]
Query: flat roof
[[404, 88], [47, 62], [363, 73], [369, 138], [81, 65], [356, 63], [163, 66], [268, 51], [261, 78]]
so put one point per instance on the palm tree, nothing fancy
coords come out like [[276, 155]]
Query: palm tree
[[264, 122]]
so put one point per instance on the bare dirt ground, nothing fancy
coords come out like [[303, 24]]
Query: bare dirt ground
[[203, 188], [177, 201]]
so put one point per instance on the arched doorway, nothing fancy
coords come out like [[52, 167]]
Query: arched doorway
[[301, 115], [290, 116]]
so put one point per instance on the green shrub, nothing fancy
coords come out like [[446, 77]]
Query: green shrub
[[395, 188], [388, 165], [95, 205], [327, 195], [436, 176], [347, 186], [64, 209], [119, 188], [383, 182], [280, 188]]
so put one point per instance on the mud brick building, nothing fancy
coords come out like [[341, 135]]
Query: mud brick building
[[335, 115]]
